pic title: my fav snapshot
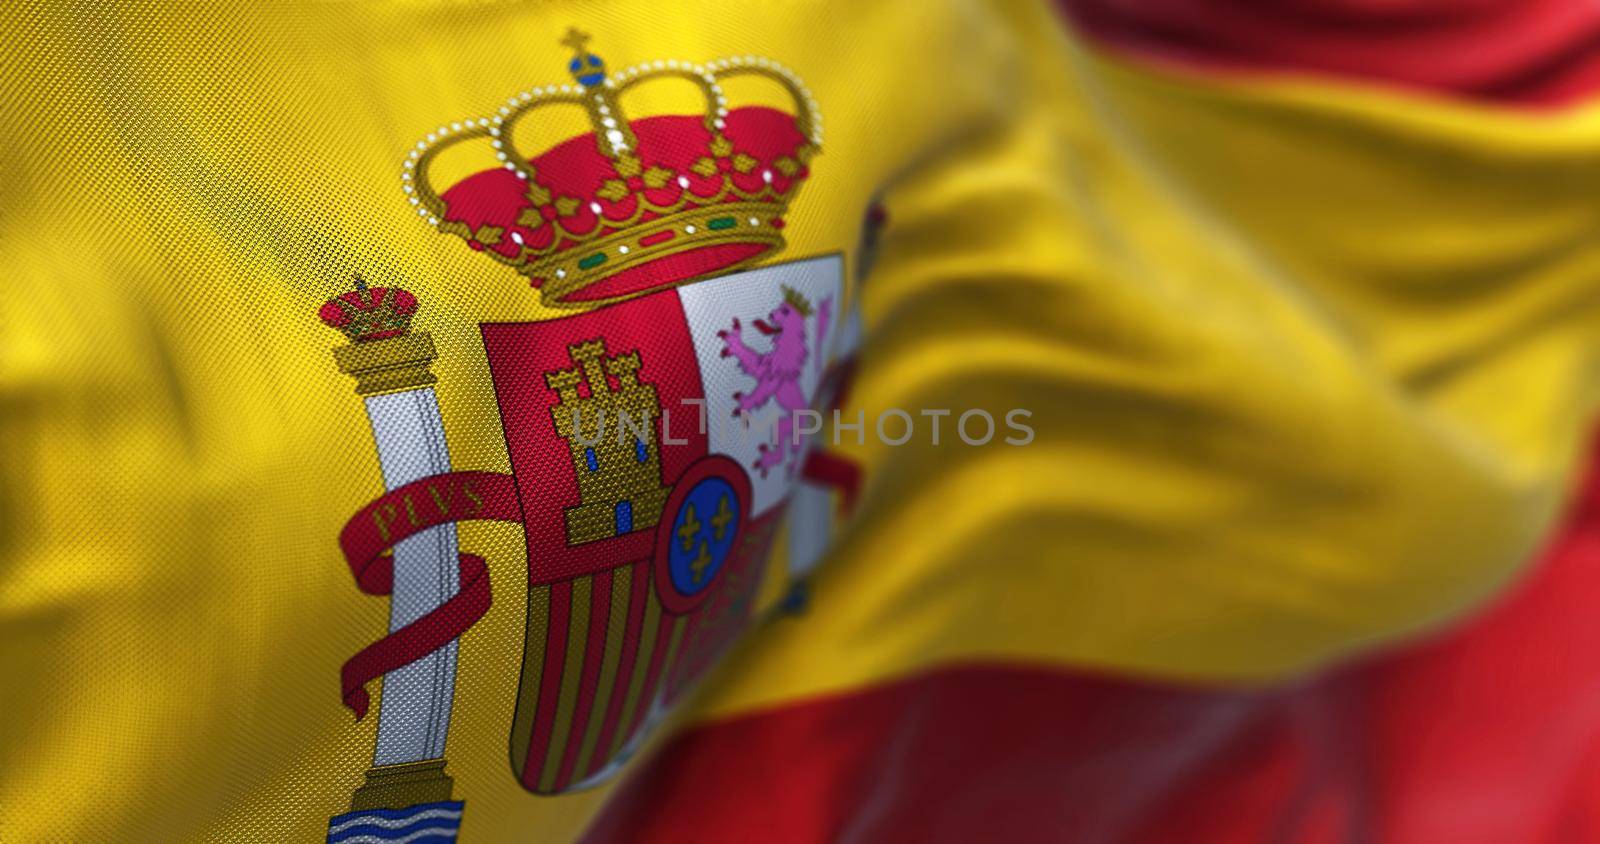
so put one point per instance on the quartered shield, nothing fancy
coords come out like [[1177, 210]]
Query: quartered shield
[[652, 446]]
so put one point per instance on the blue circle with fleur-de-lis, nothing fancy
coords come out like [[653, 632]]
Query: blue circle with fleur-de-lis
[[703, 533]]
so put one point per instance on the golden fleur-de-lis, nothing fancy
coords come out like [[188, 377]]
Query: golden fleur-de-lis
[[719, 522], [701, 563], [690, 528]]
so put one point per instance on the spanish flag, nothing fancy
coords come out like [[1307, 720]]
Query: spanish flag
[[833, 421]]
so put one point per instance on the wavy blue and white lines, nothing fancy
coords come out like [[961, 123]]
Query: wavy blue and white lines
[[425, 823]]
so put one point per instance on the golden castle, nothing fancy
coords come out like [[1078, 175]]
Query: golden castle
[[619, 474]]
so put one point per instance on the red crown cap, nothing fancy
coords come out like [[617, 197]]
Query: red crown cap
[[370, 313], [636, 205]]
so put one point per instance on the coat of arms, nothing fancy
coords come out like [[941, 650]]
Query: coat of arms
[[650, 432]]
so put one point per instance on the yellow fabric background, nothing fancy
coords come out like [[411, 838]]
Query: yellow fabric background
[[1309, 368]]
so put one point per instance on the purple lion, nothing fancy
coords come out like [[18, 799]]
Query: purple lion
[[777, 371]]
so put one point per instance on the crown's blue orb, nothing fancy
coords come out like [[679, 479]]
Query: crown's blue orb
[[588, 69]]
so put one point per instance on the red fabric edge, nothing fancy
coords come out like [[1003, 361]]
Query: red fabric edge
[[1488, 733], [1522, 53]]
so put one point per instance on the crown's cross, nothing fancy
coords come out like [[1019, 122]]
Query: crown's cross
[[701, 563], [590, 71], [719, 522], [578, 40], [690, 529]]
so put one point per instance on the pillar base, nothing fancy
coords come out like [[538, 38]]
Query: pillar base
[[400, 786]]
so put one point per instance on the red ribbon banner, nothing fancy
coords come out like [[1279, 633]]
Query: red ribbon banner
[[404, 512]]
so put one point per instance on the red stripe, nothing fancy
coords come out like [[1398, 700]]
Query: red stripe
[[555, 653], [676, 674], [638, 598], [975, 753], [653, 673], [1537, 53], [1491, 733], [594, 654]]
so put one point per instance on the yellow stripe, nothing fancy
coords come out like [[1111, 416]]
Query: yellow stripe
[[571, 678], [641, 665], [1306, 303], [532, 672], [1309, 368], [672, 652], [1351, 108], [621, 585], [774, 572]]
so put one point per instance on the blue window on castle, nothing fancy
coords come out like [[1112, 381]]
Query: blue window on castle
[[589, 458], [624, 517], [640, 452]]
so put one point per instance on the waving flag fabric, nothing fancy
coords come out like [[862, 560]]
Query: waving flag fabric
[[385, 388]]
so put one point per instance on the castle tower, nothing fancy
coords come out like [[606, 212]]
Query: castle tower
[[611, 432]]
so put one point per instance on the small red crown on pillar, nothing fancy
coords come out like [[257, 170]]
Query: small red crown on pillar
[[370, 313]]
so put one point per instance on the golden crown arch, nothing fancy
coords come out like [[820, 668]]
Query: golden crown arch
[[611, 434], [575, 259]]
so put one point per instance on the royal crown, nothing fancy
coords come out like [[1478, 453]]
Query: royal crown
[[370, 313], [384, 354], [637, 204]]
